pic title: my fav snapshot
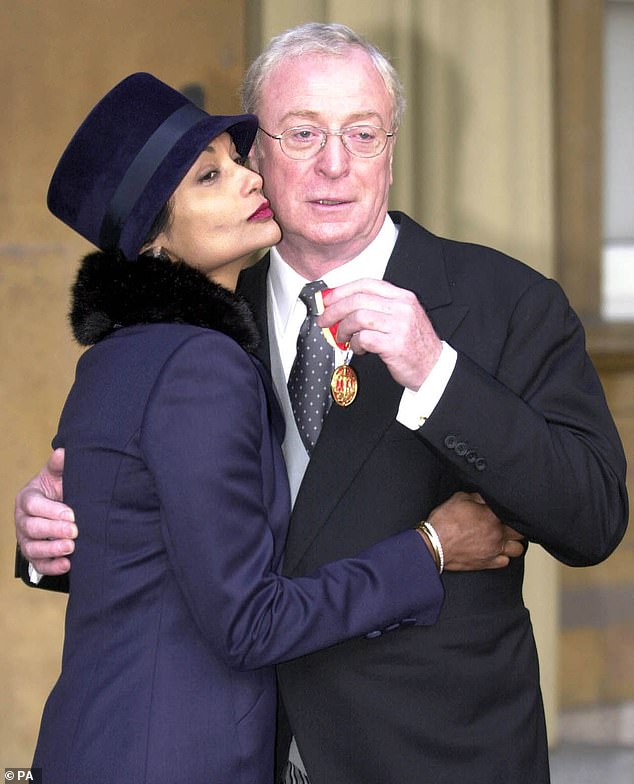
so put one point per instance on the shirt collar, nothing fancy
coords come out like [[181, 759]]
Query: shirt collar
[[285, 284]]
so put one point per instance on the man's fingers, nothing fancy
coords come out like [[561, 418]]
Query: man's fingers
[[34, 504], [511, 533], [38, 549], [55, 462], [52, 568], [513, 548], [499, 562], [34, 527], [371, 299], [363, 286]]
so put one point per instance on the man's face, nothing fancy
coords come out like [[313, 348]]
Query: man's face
[[330, 206]]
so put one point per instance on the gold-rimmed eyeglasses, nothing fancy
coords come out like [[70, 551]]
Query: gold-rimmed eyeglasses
[[305, 141]]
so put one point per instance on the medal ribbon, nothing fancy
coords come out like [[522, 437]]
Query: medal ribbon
[[344, 384]]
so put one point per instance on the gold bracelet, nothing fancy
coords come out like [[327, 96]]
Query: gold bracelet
[[434, 554], [430, 532]]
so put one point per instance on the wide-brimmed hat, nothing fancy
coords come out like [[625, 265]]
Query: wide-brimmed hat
[[128, 157]]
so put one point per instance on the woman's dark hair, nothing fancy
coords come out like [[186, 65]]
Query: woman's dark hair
[[161, 223]]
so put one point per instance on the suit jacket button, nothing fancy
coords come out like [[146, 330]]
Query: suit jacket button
[[450, 442], [408, 622], [461, 448], [471, 456], [373, 635], [392, 627], [481, 464]]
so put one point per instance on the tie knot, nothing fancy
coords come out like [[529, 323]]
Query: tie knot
[[307, 295]]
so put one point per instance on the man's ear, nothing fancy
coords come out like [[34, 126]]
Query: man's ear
[[392, 145]]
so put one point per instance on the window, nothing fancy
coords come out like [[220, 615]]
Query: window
[[585, 187], [617, 268]]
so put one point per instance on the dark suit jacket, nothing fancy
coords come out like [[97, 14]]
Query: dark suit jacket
[[523, 421], [174, 469]]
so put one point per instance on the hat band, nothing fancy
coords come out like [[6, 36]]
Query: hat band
[[142, 168]]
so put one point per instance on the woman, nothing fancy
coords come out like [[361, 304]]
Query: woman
[[173, 466]]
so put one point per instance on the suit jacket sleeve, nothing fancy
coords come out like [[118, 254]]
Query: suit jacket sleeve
[[206, 439], [535, 436]]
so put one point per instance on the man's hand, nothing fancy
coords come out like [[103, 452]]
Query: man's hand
[[44, 526], [380, 318], [472, 537]]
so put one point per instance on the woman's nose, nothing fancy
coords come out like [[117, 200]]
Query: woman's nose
[[252, 180]]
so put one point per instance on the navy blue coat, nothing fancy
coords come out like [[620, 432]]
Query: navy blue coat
[[176, 611]]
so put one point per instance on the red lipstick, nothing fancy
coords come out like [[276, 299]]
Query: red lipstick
[[263, 212]]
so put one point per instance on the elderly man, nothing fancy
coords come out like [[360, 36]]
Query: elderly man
[[468, 372]]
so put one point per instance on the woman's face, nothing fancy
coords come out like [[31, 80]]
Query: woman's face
[[219, 215]]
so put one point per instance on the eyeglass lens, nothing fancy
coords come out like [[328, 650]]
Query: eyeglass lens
[[366, 141]]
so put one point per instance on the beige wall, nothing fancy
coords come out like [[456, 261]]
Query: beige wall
[[56, 60]]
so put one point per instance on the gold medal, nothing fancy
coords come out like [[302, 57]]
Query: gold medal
[[344, 385]]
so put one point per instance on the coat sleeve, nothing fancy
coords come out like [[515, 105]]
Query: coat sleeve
[[204, 437], [535, 437]]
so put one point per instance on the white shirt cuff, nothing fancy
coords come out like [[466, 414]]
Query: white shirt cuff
[[34, 575], [416, 407]]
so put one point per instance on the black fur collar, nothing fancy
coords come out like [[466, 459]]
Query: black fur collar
[[111, 292]]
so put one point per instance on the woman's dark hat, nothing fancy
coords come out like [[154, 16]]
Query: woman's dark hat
[[129, 156]]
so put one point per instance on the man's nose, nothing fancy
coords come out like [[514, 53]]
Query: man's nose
[[333, 159]]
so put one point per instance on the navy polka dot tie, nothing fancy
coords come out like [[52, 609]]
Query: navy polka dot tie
[[309, 380]]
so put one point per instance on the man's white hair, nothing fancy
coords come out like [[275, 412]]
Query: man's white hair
[[320, 38]]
